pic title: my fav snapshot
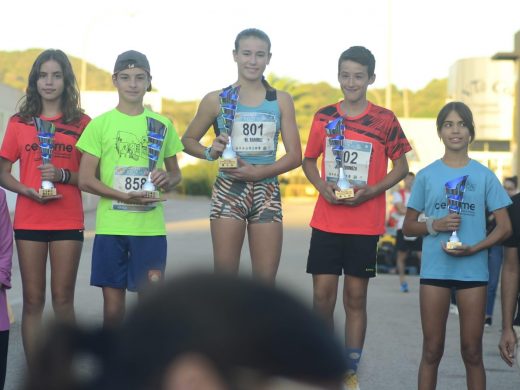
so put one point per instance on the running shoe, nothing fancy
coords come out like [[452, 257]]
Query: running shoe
[[404, 287], [488, 322], [351, 382]]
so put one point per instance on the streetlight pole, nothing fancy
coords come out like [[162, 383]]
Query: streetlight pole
[[388, 90], [83, 76], [514, 56], [90, 25]]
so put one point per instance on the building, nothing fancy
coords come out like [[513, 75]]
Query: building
[[514, 58], [487, 87]]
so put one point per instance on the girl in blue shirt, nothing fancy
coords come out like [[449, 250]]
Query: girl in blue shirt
[[464, 268]]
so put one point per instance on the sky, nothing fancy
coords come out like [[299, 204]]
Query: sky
[[189, 43]]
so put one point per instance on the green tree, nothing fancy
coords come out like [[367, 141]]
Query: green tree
[[16, 65], [308, 98], [181, 113]]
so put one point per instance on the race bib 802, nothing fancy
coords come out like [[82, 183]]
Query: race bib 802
[[356, 161]]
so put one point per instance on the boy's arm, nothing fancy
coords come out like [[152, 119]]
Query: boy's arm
[[167, 180], [89, 182]]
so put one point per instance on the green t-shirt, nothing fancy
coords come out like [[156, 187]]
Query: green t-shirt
[[120, 142]]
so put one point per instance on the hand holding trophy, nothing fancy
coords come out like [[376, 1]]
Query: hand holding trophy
[[454, 193], [156, 134], [228, 107], [336, 130], [46, 130]]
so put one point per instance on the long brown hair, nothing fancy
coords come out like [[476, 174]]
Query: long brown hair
[[31, 103]]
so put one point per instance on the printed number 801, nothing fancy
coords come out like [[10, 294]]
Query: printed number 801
[[251, 129]]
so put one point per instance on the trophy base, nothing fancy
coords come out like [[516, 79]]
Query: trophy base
[[228, 163], [345, 194], [47, 192], [453, 245], [152, 194]]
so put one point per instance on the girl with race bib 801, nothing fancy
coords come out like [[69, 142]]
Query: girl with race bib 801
[[248, 197]]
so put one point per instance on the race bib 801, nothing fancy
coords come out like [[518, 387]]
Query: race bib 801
[[254, 133]]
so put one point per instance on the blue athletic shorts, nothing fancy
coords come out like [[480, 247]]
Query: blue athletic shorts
[[124, 261]]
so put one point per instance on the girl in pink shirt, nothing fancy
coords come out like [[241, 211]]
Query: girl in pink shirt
[[6, 255]]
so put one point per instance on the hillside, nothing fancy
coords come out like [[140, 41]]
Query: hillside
[[308, 97]]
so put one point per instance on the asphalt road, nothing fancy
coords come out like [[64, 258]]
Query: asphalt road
[[393, 344]]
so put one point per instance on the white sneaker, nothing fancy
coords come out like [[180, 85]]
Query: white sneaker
[[454, 309], [350, 382]]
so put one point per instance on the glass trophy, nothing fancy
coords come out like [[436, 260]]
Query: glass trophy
[[156, 133], [336, 130], [46, 131], [228, 108], [454, 193]]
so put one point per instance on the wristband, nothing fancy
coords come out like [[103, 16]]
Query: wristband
[[207, 154], [65, 175], [429, 226]]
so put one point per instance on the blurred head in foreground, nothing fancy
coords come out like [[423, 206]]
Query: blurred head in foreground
[[198, 332]]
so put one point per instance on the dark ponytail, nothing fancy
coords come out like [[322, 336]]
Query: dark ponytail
[[266, 84]]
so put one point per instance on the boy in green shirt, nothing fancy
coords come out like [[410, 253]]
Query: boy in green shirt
[[130, 243]]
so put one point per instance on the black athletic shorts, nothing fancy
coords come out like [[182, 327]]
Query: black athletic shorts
[[335, 253], [456, 284], [48, 235]]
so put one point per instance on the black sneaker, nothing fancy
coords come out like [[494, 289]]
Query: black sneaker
[[488, 322]]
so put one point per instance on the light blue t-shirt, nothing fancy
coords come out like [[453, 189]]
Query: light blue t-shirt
[[483, 191], [256, 131]]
